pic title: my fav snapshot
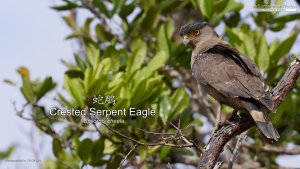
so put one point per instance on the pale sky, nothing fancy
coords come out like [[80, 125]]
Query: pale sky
[[32, 35]]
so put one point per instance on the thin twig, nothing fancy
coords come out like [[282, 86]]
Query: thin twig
[[272, 149], [127, 155], [146, 144], [184, 138], [218, 165], [239, 143], [156, 133], [169, 166]]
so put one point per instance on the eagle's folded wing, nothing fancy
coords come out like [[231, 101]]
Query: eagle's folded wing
[[227, 77]]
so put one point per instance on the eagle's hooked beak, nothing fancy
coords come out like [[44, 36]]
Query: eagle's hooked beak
[[185, 40]]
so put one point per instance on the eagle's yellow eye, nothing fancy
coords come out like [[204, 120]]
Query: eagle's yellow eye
[[196, 32]]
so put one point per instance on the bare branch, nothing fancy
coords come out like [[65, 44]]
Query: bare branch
[[169, 166], [121, 164], [155, 133], [219, 165], [239, 143], [272, 149], [286, 83], [162, 143]]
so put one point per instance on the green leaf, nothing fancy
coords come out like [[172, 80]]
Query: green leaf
[[93, 55], [234, 39], [80, 62], [206, 7], [143, 151], [10, 82], [101, 70], [88, 78], [279, 2], [102, 34], [116, 57], [46, 86], [164, 152], [101, 7], [64, 7], [277, 27], [223, 7], [149, 89], [232, 5], [220, 4], [57, 148], [180, 100], [117, 7], [142, 74], [233, 20], [249, 44], [287, 18], [86, 26], [74, 88], [263, 58], [165, 107], [63, 100], [151, 19], [138, 92], [97, 86], [114, 162], [73, 73], [121, 104], [169, 30], [27, 87], [152, 150], [136, 60], [70, 5], [6, 154], [85, 149], [162, 39], [183, 151], [23, 71], [158, 60], [109, 147], [167, 7], [126, 10], [70, 20], [27, 90], [97, 152], [283, 48]]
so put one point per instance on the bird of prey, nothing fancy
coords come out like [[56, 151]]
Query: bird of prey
[[229, 76]]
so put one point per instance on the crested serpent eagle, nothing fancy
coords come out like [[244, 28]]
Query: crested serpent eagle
[[229, 76]]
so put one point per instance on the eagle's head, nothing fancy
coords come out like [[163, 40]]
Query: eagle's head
[[194, 33]]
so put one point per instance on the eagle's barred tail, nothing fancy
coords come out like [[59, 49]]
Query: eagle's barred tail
[[268, 130], [264, 125]]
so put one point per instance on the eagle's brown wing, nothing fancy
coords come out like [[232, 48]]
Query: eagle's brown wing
[[227, 77], [248, 82], [233, 77]]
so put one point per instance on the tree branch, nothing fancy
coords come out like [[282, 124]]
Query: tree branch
[[123, 161], [277, 150], [160, 143], [235, 152], [240, 124]]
